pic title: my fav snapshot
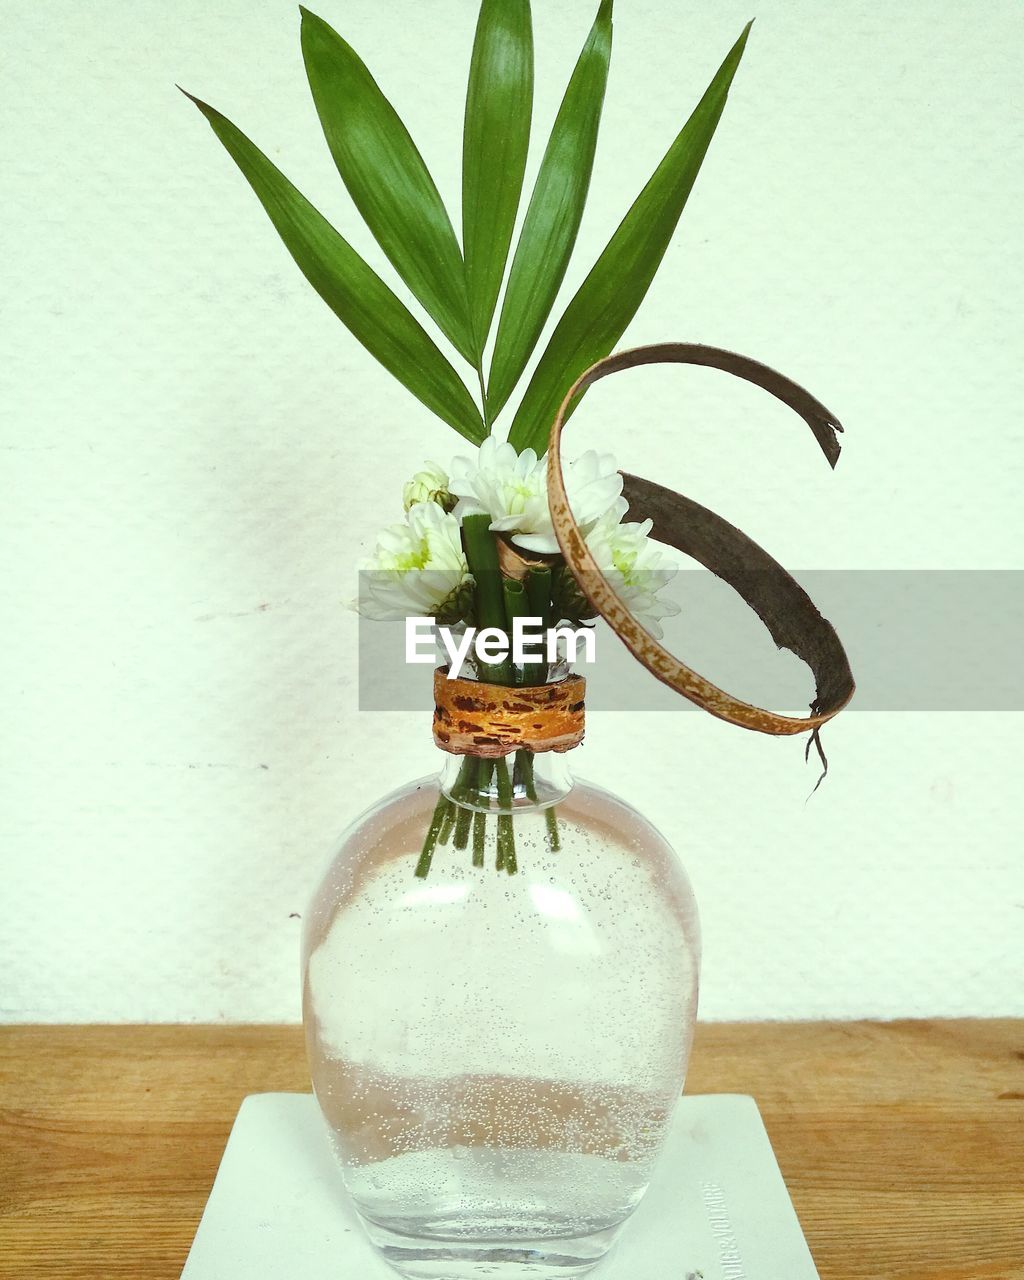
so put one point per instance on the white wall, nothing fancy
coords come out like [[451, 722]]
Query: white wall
[[195, 452]]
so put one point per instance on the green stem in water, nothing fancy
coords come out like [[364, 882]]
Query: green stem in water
[[462, 823], [551, 818], [506, 844], [540, 583], [441, 810], [524, 772], [447, 822], [499, 602], [479, 837], [491, 611], [484, 769], [506, 836]]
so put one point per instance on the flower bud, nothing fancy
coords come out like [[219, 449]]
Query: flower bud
[[429, 485]]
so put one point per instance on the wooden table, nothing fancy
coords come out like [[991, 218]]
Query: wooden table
[[902, 1143]]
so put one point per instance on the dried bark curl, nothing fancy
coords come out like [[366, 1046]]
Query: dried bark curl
[[779, 601]]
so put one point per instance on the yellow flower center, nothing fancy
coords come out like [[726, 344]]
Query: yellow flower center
[[414, 558]]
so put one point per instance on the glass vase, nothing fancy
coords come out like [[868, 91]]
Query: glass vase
[[497, 1049]]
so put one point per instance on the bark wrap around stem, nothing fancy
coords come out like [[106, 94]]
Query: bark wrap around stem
[[491, 720]]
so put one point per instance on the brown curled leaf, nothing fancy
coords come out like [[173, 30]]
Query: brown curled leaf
[[779, 601]]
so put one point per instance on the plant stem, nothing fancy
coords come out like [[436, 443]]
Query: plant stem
[[441, 809], [540, 584], [516, 606], [538, 592], [462, 822], [484, 770], [479, 837], [466, 779], [524, 771], [507, 834], [447, 822], [551, 818], [499, 602], [506, 837], [482, 558]]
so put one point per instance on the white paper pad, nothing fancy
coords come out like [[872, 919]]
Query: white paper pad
[[716, 1210]]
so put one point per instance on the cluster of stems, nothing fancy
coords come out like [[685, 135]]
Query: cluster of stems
[[463, 817]]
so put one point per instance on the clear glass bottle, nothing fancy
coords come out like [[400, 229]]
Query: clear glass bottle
[[498, 1054]]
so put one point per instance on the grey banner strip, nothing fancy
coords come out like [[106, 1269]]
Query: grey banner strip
[[918, 640]]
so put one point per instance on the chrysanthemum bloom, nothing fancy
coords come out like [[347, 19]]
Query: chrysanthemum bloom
[[418, 569], [511, 488], [636, 567]]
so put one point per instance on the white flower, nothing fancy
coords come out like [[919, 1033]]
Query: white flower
[[511, 488], [635, 567], [417, 568], [428, 485]]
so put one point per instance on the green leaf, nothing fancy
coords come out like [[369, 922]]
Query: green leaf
[[608, 299], [553, 218], [387, 179], [496, 138], [354, 292]]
